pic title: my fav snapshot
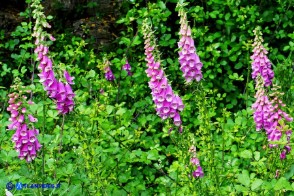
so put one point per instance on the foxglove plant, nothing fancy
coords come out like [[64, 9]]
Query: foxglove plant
[[128, 68], [262, 106], [198, 173], [108, 72], [60, 92], [25, 136], [261, 64], [168, 105], [188, 58], [277, 118], [268, 115]]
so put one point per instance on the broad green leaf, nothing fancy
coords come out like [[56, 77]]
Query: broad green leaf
[[282, 183], [241, 188], [256, 155], [244, 178], [247, 154], [121, 111], [256, 184], [109, 109], [290, 172]]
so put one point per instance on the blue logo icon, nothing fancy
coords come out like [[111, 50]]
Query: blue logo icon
[[18, 186], [9, 186]]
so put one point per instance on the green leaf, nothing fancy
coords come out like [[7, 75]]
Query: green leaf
[[125, 41], [123, 178], [256, 155], [169, 60], [213, 14], [136, 41], [238, 65], [227, 16], [162, 5], [91, 74], [153, 154], [121, 111], [244, 178], [109, 109], [241, 188], [256, 184], [290, 172], [282, 183], [247, 154]]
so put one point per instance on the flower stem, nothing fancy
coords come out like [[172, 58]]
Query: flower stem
[[43, 134], [61, 132]]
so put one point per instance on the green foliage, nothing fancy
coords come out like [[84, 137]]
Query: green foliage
[[115, 144]]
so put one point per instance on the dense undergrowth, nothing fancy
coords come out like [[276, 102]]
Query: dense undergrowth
[[114, 143]]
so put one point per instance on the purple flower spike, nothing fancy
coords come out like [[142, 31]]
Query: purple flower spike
[[261, 64], [51, 84], [168, 105], [127, 66], [24, 138], [195, 162], [268, 114], [109, 75], [188, 58]]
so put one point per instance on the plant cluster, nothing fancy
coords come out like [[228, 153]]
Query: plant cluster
[[22, 121], [168, 105], [268, 113], [113, 141], [60, 92]]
